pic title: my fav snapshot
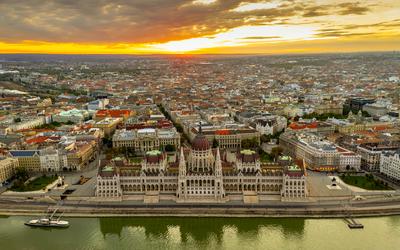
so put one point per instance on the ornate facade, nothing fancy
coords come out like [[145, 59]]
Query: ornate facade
[[143, 140], [197, 174]]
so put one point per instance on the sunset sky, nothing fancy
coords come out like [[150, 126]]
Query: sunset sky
[[199, 26]]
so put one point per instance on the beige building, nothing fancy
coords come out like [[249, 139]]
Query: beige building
[[143, 140], [227, 137], [108, 125], [74, 156], [7, 169]]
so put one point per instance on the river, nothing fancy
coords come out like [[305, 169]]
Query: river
[[202, 233]]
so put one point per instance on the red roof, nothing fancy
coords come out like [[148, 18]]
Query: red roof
[[113, 113], [295, 125], [381, 127], [223, 132], [42, 139]]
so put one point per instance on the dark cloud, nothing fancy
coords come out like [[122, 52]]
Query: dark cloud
[[353, 9], [339, 33], [341, 9], [139, 21], [122, 20], [387, 24], [317, 11]]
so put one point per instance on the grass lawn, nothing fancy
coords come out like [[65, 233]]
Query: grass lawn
[[364, 182], [265, 157], [37, 184], [136, 159]]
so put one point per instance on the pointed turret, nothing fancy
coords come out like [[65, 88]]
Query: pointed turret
[[218, 164], [200, 129], [182, 163]]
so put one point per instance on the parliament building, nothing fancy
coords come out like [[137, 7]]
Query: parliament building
[[200, 174]]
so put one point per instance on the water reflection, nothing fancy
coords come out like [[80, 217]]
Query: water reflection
[[202, 229]]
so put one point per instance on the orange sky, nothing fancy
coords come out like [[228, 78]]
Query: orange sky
[[200, 26]]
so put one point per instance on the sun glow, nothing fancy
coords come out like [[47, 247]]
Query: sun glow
[[241, 36], [203, 1], [256, 6], [74, 48]]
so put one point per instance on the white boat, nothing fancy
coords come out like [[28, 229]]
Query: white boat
[[44, 222], [48, 221]]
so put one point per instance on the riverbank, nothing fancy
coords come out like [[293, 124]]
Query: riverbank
[[361, 209]]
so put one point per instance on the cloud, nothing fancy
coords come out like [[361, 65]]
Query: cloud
[[353, 9], [331, 9], [261, 37], [342, 34], [149, 21], [370, 29]]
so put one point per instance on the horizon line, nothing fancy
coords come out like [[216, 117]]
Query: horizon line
[[203, 54]]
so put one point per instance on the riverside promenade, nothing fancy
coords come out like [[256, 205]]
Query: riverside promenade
[[376, 207]]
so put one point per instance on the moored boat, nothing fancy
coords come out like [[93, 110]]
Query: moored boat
[[48, 221]]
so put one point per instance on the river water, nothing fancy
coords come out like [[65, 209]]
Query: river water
[[202, 233]]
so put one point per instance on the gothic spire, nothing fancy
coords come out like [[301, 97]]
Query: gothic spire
[[218, 163], [200, 129], [182, 163]]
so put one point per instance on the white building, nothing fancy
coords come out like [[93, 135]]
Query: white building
[[51, 160], [317, 153], [294, 183], [29, 123], [98, 104], [390, 164], [348, 160], [270, 125], [73, 115]]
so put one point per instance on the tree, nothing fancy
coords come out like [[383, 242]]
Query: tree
[[131, 151], [21, 174], [276, 152], [107, 142], [17, 120], [170, 148], [265, 138], [347, 167], [179, 128], [365, 113], [250, 143], [215, 143]]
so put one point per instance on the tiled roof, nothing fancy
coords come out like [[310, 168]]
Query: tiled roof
[[113, 113], [23, 153]]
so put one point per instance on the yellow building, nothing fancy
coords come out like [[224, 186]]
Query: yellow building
[[7, 168], [108, 125], [27, 159], [80, 154]]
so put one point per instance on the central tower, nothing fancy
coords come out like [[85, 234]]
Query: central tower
[[201, 159]]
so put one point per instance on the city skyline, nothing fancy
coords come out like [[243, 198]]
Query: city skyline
[[198, 27]]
